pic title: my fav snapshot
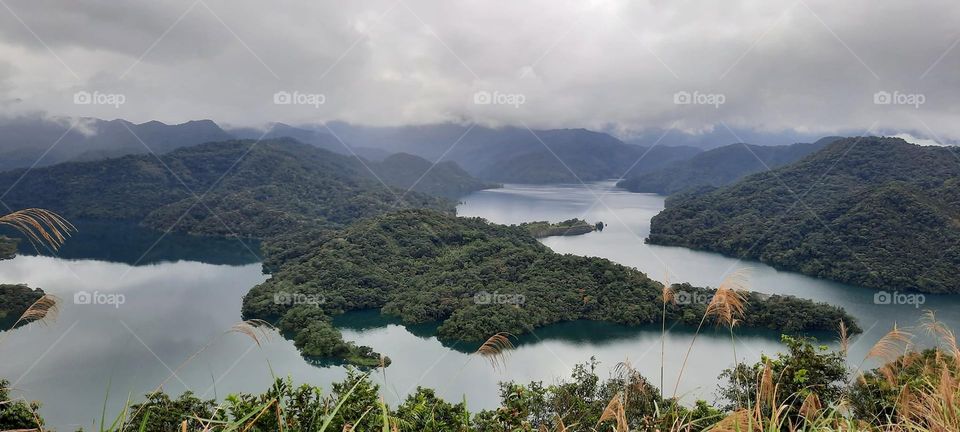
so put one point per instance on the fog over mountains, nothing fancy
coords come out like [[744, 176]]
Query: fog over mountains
[[798, 70]]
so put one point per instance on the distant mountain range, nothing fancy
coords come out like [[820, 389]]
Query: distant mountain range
[[508, 154], [877, 212], [29, 140], [720, 166], [518, 155]]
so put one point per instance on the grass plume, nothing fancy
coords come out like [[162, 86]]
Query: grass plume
[[40, 227], [496, 348]]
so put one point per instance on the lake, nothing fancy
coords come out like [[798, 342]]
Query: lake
[[181, 295]]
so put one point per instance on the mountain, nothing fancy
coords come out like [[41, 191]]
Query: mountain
[[445, 179], [255, 189], [34, 139], [877, 212], [476, 279], [718, 137], [320, 138], [720, 166], [516, 155]]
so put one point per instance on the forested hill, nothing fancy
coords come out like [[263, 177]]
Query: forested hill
[[444, 179], [720, 166], [279, 186], [477, 279], [878, 212]]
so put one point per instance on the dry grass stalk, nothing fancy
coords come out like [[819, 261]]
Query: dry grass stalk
[[767, 388], [616, 411], [44, 311], [944, 335], [496, 348], [811, 407], [891, 346], [255, 329], [667, 292], [844, 338], [729, 302], [40, 226]]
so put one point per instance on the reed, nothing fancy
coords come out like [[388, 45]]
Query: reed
[[496, 349], [40, 227]]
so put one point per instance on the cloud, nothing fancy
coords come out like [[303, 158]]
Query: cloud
[[812, 66]]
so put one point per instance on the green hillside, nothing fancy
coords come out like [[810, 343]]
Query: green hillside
[[877, 212], [248, 189]]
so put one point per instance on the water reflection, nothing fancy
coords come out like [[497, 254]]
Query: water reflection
[[127, 242]]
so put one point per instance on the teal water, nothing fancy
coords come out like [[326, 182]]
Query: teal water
[[181, 299]]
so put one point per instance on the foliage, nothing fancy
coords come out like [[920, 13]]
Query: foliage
[[17, 414], [161, 413], [876, 212], [805, 369], [719, 167], [784, 313], [317, 338], [425, 411], [14, 301], [476, 279], [884, 395]]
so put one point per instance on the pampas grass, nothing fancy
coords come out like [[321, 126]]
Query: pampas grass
[[256, 329], [727, 306], [617, 412], [45, 310], [892, 345], [496, 349], [40, 227], [667, 296]]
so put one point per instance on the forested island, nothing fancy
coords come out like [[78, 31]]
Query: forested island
[[424, 266], [876, 212], [571, 227]]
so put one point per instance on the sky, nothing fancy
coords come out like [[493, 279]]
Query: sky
[[852, 66]]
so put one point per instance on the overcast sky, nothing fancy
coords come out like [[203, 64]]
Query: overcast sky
[[622, 66]]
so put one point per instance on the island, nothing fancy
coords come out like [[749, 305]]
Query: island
[[570, 227], [475, 279]]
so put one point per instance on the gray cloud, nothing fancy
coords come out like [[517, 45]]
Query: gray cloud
[[811, 66]]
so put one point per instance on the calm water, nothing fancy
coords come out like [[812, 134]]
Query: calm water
[[181, 298]]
